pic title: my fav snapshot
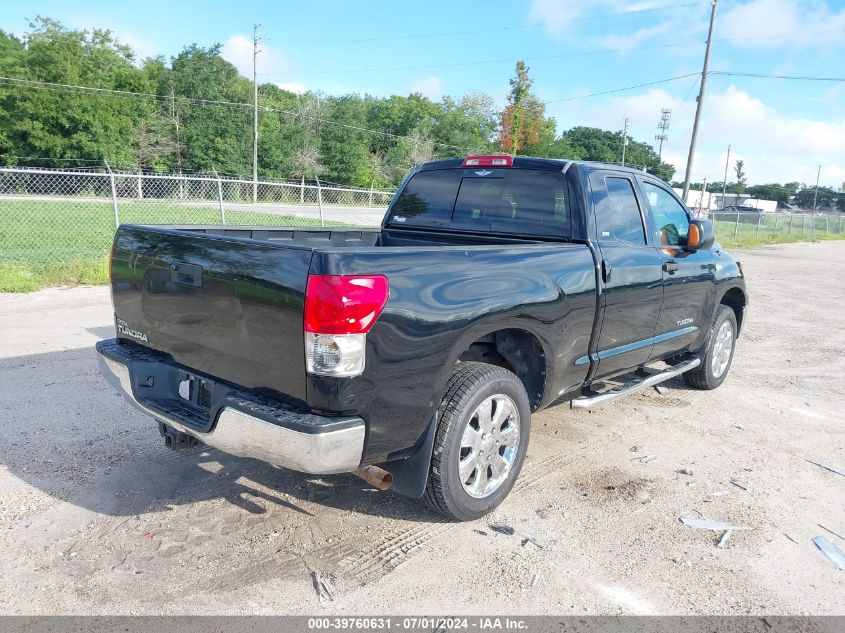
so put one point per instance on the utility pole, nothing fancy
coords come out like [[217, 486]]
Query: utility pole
[[624, 140], [663, 126], [725, 180], [255, 50], [816, 194], [700, 99]]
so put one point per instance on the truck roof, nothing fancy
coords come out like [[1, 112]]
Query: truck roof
[[530, 162]]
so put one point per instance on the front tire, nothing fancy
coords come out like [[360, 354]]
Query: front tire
[[484, 422], [717, 353]]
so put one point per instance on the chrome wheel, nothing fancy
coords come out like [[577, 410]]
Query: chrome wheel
[[722, 349], [489, 446]]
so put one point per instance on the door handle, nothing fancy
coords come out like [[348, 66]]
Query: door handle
[[670, 266], [606, 267]]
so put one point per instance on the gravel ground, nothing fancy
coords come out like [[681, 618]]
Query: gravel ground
[[96, 516]]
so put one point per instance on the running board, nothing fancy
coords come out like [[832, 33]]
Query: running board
[[588, 402]]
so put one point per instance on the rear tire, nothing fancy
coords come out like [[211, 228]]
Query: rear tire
[[484, 422], [717, 353]]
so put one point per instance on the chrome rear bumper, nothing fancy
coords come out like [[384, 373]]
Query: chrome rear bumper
[[239, 433]]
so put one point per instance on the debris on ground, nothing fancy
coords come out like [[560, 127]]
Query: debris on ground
[[661, 389], [831, 531], [707, 524], [724, 540], [833, 553], [685, 471], [645, 459], [790, 538], [738, 485], [482, 532], [499, 528], [826, 466], [535, 580], [720, 493], [324, 588], [635, 448], [528, 540]]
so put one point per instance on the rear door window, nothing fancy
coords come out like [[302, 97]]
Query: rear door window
[[499, 201], [618, 215]]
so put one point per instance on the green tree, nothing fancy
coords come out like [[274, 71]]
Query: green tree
[[741, 180], [524, 125]]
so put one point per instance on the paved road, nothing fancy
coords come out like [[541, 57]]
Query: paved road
[[97, 516]]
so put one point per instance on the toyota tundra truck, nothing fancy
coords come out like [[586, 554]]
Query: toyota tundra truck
[[414, 355]]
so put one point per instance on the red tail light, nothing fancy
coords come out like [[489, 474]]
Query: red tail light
[[488, 161], [344, 304]]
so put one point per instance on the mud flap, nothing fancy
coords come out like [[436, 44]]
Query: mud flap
[[410, 475]]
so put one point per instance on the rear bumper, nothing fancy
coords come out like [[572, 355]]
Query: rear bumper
[[238, 422]]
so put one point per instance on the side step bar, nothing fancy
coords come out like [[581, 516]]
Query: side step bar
[[588, 402]]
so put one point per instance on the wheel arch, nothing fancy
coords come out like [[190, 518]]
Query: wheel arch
[[736, 299], [516, 348]]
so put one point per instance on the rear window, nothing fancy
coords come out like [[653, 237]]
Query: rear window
[[501, 201]]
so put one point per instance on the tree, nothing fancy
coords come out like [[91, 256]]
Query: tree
[[589, 143], [523, 124], [740, 176], [773, 191]]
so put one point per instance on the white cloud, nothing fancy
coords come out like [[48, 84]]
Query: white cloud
[[431, 87], [293, 86], [555, 14], [801, 20], [271, 62], [143, 47], [775, 147]]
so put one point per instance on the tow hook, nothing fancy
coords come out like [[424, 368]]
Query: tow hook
[[176, 439]]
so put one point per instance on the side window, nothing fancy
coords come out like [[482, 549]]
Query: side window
[[669, 216], [618, 216]]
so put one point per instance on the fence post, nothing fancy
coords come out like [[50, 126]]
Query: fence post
[[140, 185], [320, 200], [302, 191], [372, 182], [760, 219], [789, 231], [776, 222], [220, 196], [804, 224], [736, 228], [113, 195], [827, 224]]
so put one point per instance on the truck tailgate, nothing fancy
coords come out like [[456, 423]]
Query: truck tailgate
[[228, 307]]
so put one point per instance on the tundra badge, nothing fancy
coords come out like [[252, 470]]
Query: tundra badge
[[123, 328]]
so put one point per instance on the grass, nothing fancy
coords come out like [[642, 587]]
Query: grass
[[46, 243], [776, 229]]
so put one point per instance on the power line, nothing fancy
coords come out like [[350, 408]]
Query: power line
[[764, 76], [58, 87], [607, 92], [510, 60], [499, 28]]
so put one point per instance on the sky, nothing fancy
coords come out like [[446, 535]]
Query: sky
[[782, 129]]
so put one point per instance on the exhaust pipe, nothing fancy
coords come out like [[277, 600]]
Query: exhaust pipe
[[375, 476]]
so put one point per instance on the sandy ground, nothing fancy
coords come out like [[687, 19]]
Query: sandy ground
[[97, 516]]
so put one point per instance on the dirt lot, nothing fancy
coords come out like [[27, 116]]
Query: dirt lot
[[97, 516]]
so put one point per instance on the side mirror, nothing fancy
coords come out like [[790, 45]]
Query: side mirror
[[700, 236]]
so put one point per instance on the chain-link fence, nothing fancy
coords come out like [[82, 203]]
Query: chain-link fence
[[56, 220], [769, 226]]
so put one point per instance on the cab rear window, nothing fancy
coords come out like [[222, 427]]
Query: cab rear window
[[519, 201]]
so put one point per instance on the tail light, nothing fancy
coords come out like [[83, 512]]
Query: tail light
[[339, 311], [488, 161]]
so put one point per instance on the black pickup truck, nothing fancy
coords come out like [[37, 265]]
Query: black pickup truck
[[413, 355]]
